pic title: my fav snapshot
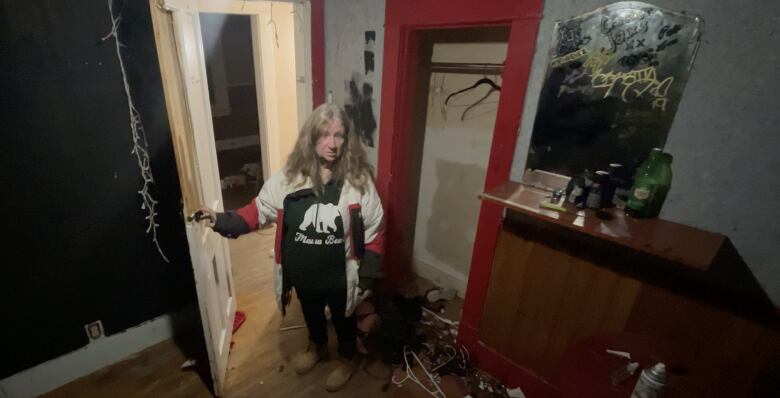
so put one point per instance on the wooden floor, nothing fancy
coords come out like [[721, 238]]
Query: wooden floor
[[259, 363]]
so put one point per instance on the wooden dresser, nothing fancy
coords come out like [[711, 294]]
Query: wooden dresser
[[563, 287]]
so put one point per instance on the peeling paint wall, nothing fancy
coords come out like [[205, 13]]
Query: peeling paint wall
[[346, 24], [725, 137]]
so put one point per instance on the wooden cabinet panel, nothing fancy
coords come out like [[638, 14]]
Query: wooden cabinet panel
[[542, 299], [715, 353], [503, 298]]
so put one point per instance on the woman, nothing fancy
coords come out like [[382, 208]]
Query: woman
[[329, 233]]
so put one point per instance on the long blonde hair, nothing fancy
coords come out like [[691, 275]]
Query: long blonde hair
[[352, 163]]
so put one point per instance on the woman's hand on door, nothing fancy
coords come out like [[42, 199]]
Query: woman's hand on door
[[204, 213]]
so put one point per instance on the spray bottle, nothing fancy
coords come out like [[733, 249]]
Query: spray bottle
[[651, 382]]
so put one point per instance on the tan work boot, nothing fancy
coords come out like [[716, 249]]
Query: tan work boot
[[305, 360], [341, 375]]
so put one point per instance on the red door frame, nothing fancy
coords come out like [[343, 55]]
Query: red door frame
[[404, 22]]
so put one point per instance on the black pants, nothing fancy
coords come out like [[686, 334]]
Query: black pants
[[313, 305]]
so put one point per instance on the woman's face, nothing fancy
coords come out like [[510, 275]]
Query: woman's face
[[329, 145]]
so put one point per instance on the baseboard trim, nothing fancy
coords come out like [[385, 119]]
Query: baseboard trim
[[442, 276], [100, 353]]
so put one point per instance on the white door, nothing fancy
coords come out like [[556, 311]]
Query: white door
[[183, 68], [208, 251]]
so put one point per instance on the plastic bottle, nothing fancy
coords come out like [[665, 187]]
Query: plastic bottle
[[575, 190], [651, 382]]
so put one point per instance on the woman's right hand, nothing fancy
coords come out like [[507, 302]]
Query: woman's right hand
[[205, 212]]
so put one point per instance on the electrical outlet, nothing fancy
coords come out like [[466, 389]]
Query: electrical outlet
[[94, 330]]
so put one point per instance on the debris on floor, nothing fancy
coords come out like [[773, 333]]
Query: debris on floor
[[188, 364], [438, 294], [421, 344], [292, 327], [430, 383], [229, 182], [400, 317], [251, 169]]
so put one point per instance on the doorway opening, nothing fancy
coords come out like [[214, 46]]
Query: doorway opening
[[255, 97], [233, 94], [458, 87]]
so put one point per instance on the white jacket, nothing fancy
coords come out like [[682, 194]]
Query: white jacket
[[363, 250]]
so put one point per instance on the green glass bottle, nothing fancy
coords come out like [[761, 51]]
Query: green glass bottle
[[642, 190], [645, 166], [663, 175]]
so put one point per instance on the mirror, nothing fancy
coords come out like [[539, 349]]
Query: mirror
[[612, 87]]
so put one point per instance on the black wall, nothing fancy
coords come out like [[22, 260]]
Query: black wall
[[76, 248]]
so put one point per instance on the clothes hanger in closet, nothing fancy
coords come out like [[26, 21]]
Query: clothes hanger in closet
[[478, 83]]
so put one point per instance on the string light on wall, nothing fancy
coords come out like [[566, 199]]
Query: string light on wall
[[140, 145]]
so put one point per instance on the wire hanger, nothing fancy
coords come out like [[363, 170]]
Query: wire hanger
[[479, 101], [479, 82]]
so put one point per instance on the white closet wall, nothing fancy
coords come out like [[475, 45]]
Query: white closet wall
[[454, 164]]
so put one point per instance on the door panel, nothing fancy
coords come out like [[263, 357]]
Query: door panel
[[208, 251], [181, 55]]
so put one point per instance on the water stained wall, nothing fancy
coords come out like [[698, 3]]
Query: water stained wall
[[456, 149]]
